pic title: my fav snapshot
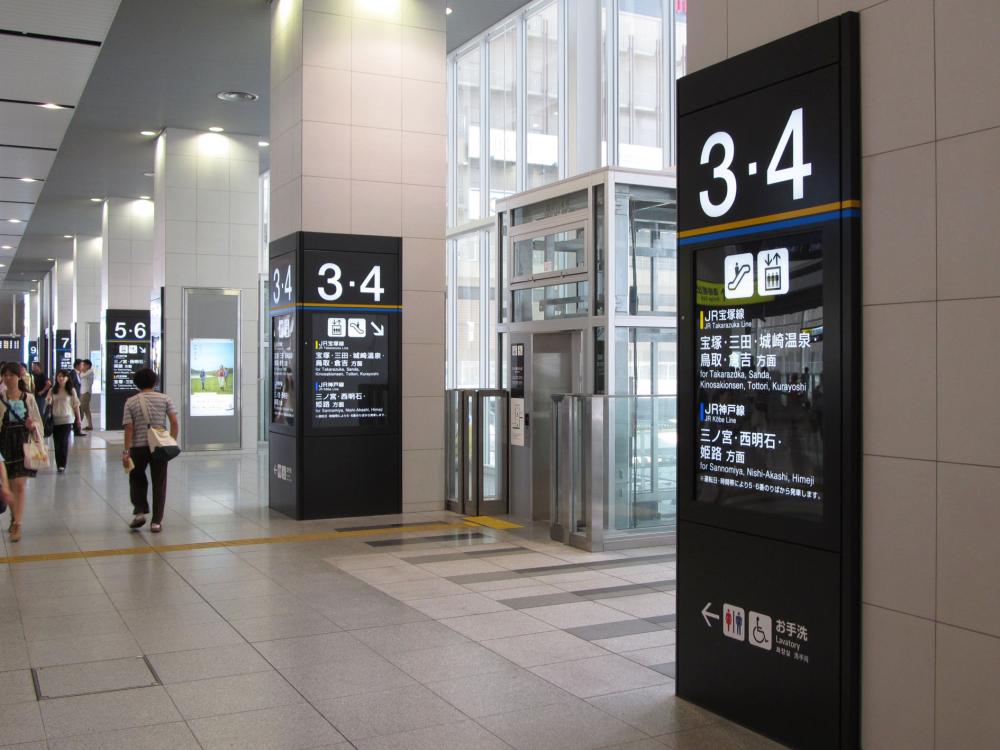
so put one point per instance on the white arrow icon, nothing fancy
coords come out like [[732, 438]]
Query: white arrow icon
[[706, 614], [378, 330]]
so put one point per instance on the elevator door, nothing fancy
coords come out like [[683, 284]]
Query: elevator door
[[553, 357]]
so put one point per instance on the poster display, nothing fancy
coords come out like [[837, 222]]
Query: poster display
[[350, 376], [212, 377], [156, 337], [283, 368]]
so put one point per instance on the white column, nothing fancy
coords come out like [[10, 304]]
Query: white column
[[358, 133], [127, 258], [87, 259], [206, 235]]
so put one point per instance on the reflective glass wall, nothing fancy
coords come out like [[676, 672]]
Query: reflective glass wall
[[510, 114]]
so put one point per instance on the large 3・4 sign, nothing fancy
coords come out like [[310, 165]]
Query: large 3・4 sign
[[776, 151], [346, 278]]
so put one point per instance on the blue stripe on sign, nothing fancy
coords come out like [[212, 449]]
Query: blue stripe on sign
[[702, 412], [786, 224]]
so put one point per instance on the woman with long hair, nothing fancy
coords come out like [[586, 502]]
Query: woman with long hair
[[19, 419], [64, 404]]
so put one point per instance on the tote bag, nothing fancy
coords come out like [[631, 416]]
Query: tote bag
[[161, 443], [36, 455]]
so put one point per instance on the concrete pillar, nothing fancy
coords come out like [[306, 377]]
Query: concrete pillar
[[206, 235], [583, 87], [358, 134]]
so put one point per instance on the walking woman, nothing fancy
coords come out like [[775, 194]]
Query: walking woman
[[144, 410], [19, 418], [64, 404]]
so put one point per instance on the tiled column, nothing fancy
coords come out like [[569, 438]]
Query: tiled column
[[127, 260], [931, 287], [86, 290], [206, 235], [358, 133]]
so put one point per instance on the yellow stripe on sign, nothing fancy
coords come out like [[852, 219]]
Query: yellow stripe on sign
[[836, 205], [702, 314], [492, 523]]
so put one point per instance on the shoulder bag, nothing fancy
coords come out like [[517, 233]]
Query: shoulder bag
[[161, 443]]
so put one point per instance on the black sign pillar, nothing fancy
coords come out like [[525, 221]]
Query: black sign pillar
[[769, 498], [336, 349], [126, 350], [63, 351], [10, 349]]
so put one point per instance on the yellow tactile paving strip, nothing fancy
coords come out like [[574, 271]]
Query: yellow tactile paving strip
[[284, 539], [492, 523]]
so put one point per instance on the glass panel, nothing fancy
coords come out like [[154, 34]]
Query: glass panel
[[561, 251], [600, 359], [503, 115], [599, 249], [467, 311], [645, 472], [467, 137], [492, 429], [640, 83], [680, 39], [490, 236], [646, 361], [550, 302], [542, 95], [505, 266], [645, 250], [453, 448], [563, 204]]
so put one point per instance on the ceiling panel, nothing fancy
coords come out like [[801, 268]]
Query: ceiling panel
[[78, 19], [39, 70], [27, 125], [25, 162], [8, 239], [21, 192]]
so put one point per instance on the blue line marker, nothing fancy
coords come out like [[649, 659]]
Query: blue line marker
[[786, 224]]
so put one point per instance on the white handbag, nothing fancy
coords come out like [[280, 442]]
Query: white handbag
[[161, 442]]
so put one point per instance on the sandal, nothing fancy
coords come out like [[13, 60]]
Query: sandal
[[155, 528], [15, 532], [138, 521]]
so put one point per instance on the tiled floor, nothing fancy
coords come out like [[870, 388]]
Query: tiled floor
[[405, 638]]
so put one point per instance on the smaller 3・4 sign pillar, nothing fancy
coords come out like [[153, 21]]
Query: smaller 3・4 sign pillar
[[335, 437]]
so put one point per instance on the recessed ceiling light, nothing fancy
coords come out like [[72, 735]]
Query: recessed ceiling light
[[51, 260], [148, 133], [237, 96], [447, 11], [263, 144], [145, 198], [97, 200], [50, 105], [28, 179], [34, 281], [215, 129], [15, 221], [147, 174], [3, 265], [6, 247], [67, 236]]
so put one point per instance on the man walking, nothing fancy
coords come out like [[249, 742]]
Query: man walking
[[75, 376], [86, 388]]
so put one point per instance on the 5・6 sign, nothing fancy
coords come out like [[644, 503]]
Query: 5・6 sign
[[763, 153]]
